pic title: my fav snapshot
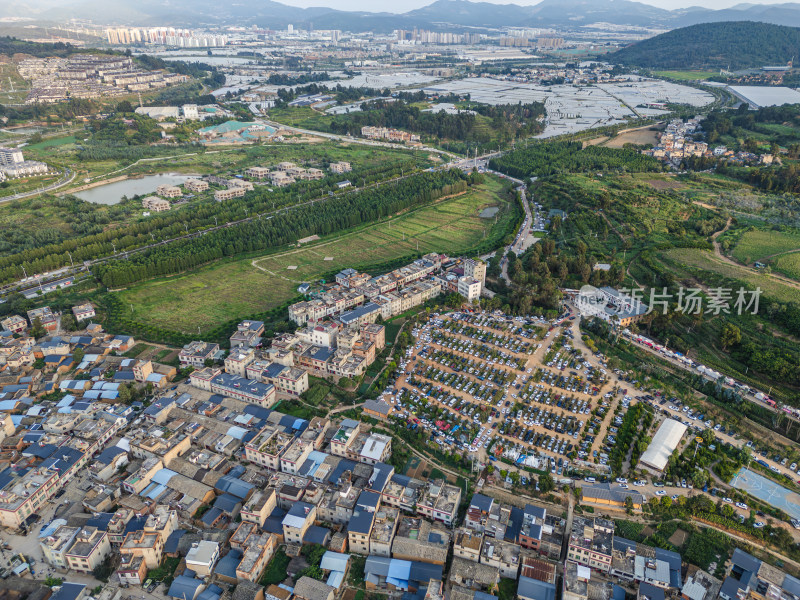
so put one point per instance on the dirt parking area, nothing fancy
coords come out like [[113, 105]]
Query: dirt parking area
[[637, 136]]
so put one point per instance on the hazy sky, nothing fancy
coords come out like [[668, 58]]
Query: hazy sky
[[399, 6]]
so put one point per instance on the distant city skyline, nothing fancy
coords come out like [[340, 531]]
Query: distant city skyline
[[401, 6]]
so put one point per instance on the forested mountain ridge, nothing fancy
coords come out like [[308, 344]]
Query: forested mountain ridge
[[733, 44]]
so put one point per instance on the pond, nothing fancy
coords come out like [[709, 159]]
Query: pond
[[489, 212], [767, 490], [112, 193]]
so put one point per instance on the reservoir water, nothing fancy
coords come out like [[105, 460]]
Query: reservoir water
[[112, 193]]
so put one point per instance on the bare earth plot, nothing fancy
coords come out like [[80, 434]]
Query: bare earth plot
[[245, 287]]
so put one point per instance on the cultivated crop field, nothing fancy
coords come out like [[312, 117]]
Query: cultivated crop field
[[685, 75], [789, 265], [705, 260], [759, 245], [243, 287]]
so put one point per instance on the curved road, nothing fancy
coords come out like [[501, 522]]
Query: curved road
[[66, 179]]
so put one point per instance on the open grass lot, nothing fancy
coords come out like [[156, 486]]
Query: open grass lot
[[705, 260], [685, 75], [242, 287], [758, 245], [13, 88]]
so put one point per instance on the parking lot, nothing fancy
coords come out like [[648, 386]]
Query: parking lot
[[492, 386]]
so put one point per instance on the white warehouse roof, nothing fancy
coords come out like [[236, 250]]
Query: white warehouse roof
[[765, 95], [664, 443]]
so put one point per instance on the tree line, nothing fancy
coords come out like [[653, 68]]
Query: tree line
[[508, 121], [171, 224], [321, 218], [551, 158]]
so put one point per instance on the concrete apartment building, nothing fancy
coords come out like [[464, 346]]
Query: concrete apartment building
[[470, 288], [156, 204], [169, 191], [202, 557], [591, 542], [340, 167], [230, 193], [195, 185], [258, 550], [257, 173], [476, 269], [418, 539], [439, 502], [54, 546], [14, 324], [503, 555], [300, 517], [467, 544], [384, 527], [195, 354], [88, 550], [236, 362], [259, 507]]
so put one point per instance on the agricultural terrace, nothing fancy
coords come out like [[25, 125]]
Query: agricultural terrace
[[244, 287], [509, 388]]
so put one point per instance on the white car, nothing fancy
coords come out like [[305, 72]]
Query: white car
[[741, 505], [758, 525], [661, 493], [621, 480], [728, 500]]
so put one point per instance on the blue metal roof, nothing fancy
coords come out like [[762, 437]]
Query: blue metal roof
[[228, 563], [481, 502], [227, 503], [533, 589], [234, 486], [334, 561], [210, 516], [361, 521], [68, 591], [171, 545], [184, 587], [316, 535]]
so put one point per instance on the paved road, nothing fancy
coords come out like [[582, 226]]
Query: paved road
[[65, 179]]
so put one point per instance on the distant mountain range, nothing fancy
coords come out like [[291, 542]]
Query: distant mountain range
[[732, 44], [439, 14]]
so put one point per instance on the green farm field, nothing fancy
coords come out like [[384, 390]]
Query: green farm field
[[706, 261], [788, 264], [685, 75], [759, 245], [244, 287]]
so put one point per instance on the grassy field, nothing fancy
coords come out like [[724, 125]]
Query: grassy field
[[757, 245], [239, 288], [706, 261], [13, 88], [685, 75]]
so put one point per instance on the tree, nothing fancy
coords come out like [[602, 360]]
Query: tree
[[68, 322], [124, 107], [209, 362], [37, 329], [546, 483], [628, 505], [730, 335], [77, 356]]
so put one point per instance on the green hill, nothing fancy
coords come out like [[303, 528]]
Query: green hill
[[735, 45]]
